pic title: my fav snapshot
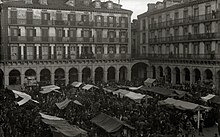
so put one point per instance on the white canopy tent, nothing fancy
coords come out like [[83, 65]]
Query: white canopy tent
[[76, 84], [88, 87], [149, 82]]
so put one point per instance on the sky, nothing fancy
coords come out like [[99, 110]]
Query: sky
[[137, 6]]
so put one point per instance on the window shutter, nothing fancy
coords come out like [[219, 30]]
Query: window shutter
[[34, 31], [90, 34], [64, 52], [63, 32], [74, 33], [120, 19], [102, 20], [25, 52], [114, 34], [68, 33], [40, 52], [108, 20], [108, 34], [87, 18], [82, 33], [120, 34], [126, 22], [19, 32], [35, 52], [69, 51], [19, 52], [114, 20], [48, 16], [49, 52], [55, 52], [96, 20], [9, 52]]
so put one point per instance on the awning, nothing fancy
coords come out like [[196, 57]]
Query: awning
[[88, 87], [109, 124], [25, 97], [208, 97], [182, 105], [65, 128], [16, 87], [64, 104], [121, 92], [77, 102], [149, 81], [135, 96], [76, 84], [110, 89], [46, 91], [49, 117], [53, 87], [135, 88]]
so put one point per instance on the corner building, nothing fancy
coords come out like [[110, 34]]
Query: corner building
[[62, 41], [181, 39]]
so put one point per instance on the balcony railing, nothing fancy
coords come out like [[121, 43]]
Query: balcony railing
[[15, 21], [184, 38], [181, 21], [66, 57], [25, 39], [209, 56]]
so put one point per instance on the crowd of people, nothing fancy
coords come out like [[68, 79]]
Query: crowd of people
[[147, 117]]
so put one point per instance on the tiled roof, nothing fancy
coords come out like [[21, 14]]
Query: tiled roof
[[61, 5]]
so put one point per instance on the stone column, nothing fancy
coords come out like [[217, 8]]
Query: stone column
[[22, 79], [80, 76], [192, 78], [182, 76], [105, 76], [173, 77], [52, 78], [22, 51], [66, 78], [116, 75], [93, 75], [38, 76], [6, 80], [129, 74], [37, 50]]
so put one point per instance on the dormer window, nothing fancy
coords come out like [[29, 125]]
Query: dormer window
[[110, 5], [28, 2], [71, 3], [43, 2], [86, 2], [97, 4]]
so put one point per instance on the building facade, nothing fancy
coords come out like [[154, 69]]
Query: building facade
[[61, 41], [182, 40]]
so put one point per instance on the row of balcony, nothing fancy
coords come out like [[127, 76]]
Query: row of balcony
[[63, 57], [183, 21], [26, 39], [209, 56], [185, 38], [36, 22]]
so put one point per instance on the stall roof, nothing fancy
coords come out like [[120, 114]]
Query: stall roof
[[53, 87], [135, 88], [88, 87], [212, 98], [25, 97], [76, 84], [16, 87], [122, 92], [149, 80], [135, 96], [182, 105], [109, 124], [208, 97], [47, 90], [64, 104], [49, 117]]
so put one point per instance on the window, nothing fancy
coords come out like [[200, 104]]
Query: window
[[99, 20], [144, 38], [71, 17], [112, 34], [14, 52], [15, 32], [123, 49], [185, 30], [208, 9], [45, 51], [59, 16], [13, 16], [99, 50], [196, 49], [159, 50], [196, 12], [176, 16], [111, 49], [59, 52], [31, 33], [86, 33], [85, 18], [110, 5], [45, 16], [185, 14], [176, 31], [111, 20], [60, 33], [160, 33], [124, 22], [71, 3], [29, 17], [196, 29], [208, 28], [30, 52], [97, 4], [207, 48]]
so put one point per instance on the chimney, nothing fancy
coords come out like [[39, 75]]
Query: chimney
[[28, 2], [151, 6]]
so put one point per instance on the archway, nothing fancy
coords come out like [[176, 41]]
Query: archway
[[197, 75], [208, 74], [111, 74], [160, 69], [60, 77], [86, 74], [73, 75], [1, 79], [99, 74], [30, 77], [45, 77], [139, 71], [14, 77], [168, 74], [123, 74], [186, 75], [177, 75], [154, 72]]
